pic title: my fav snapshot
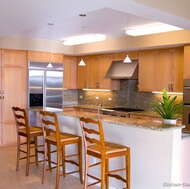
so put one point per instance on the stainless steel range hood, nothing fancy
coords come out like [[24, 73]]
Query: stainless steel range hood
[[120, 70]]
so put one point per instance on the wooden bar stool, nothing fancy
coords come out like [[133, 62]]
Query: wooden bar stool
[[31, 134], [52, 136], [95, 146]]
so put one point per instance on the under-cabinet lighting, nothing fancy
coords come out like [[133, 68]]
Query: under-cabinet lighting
[[151, 29], [160, 92], [96, 90], [84, 39]]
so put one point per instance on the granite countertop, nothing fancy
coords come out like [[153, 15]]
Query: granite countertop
[[145, 124]]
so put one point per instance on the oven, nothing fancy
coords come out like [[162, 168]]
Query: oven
[[186, 106]]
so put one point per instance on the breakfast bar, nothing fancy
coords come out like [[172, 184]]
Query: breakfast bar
[[155, 147]]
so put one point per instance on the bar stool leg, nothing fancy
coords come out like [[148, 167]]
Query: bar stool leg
[[106, 175], [128, 169], [44, 165], [28, 157], [18, 154], [63, 160], [103, 165], [36, 150], [80, 159], [58, 169]]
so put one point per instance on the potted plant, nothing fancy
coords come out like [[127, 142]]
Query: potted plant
[[168, 109]]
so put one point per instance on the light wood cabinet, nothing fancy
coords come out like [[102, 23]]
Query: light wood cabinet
[[93, 72], [144, 117], [13, 91], [105, 83], [147, 71], [92, 76], [186, 61], [169, 70], [70, 72], [82, 74], [161, 69], [45, 57], [133, 55]]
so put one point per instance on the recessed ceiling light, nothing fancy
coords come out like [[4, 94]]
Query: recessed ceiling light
[[151, 29], [84, 39]]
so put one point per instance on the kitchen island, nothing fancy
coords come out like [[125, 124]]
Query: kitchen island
[[155, 148]]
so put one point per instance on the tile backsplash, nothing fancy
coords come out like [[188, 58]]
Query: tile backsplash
[[127, 96]]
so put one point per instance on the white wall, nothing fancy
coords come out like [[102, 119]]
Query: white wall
[[155, 155]]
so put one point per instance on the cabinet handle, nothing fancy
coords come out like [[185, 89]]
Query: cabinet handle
[[98, 85], [172, 86], [84, 84], [169, 86]]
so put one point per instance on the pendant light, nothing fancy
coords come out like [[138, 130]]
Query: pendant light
[[127, 59], [50, 64], [82, 63]]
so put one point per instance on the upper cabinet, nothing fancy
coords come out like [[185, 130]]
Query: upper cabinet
[[70, 72], [147, 71], [133, 55], [161, 69], [169, 70], [186, 62], [92, 76], [45, 57], [82, 74]]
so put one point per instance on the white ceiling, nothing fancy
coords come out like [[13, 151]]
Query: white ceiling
[[29, 18]]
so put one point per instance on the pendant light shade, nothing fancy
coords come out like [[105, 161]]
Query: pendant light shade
[[127, 60], [82, 63], [49, 65]]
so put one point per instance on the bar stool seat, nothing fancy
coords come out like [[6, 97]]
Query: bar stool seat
[[97, 147], [30, 134]]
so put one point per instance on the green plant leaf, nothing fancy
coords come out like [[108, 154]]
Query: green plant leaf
[[167, 108]]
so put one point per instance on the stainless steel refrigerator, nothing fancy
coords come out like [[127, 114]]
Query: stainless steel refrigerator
[[45, 85]]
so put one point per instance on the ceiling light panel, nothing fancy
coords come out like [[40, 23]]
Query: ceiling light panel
[[151, 29], [84, 39]]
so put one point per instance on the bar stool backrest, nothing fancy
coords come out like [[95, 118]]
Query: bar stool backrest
[[21, 119], [93, 134], [50, 124]]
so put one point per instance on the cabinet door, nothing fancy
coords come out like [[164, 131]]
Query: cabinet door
[[133, 55], [147, 70], [14, 87], [94, 72], [177, 70], [163, 70], [14, 58], [45, 57], [104, 64], [105, 83], [186, 62], [70, 72], [1, 127], [82, 75]]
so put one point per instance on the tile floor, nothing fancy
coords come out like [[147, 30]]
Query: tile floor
[[10, 179]]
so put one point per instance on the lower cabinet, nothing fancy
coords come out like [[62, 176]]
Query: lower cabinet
[[150, 118], [13, 91]]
